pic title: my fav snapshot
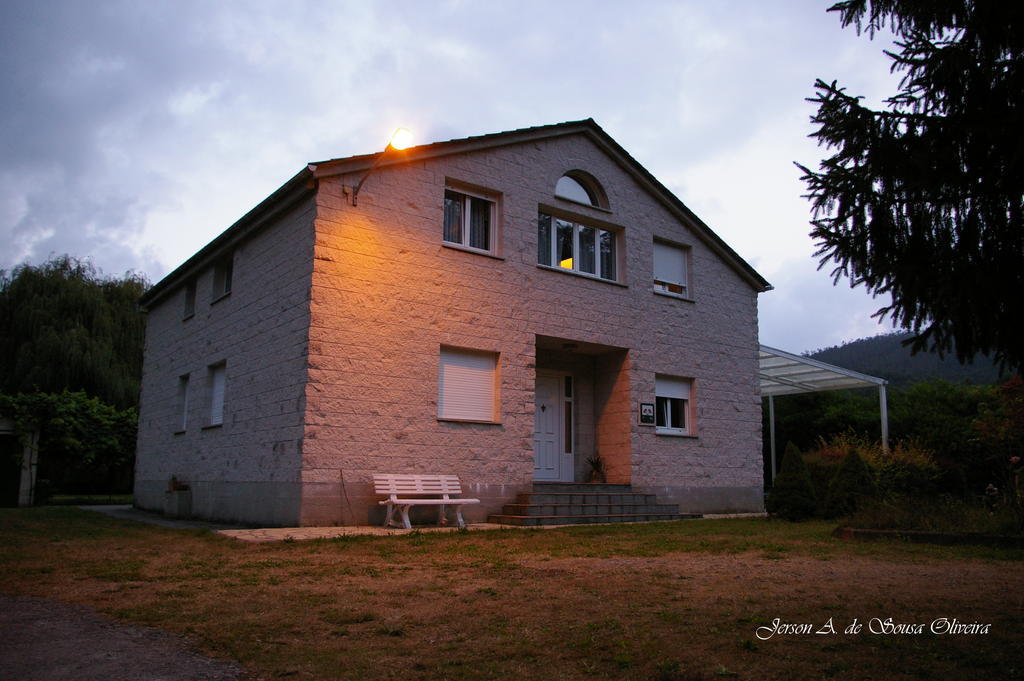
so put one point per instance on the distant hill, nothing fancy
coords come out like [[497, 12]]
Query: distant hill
[[885, 356]]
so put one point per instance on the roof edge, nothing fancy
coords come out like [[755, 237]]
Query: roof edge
[[337, 166], [290, 192], [654, 185], [305, 180], [586, 126], [822, 365]]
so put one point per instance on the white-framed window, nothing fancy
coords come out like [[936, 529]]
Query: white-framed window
[[467, 385], [216, 384], [672, 408], [671, 269], [223, 274], [577, 247], [469, 220], [182, 406]]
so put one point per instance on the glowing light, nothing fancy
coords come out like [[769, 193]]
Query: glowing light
[[401, 139]]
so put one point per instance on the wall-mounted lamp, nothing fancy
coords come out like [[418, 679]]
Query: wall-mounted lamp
[[400, 140]]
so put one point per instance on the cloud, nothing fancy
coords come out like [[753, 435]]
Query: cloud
[[137, 131], [90, 83], [806, 312]]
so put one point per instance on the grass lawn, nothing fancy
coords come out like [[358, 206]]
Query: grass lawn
[[663, 601]]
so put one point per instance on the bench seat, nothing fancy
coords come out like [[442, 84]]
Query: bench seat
[[405, 490]]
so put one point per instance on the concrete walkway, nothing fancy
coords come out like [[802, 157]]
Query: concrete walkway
[[301, 533], [126, 512], [268, 534]]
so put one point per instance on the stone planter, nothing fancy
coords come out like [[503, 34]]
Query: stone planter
[[178, 503]]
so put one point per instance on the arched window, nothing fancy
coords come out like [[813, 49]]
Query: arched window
[[581, 187], [568, 188]]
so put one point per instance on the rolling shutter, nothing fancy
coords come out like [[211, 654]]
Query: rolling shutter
[[669, 264], [217, 383], [672, 387], [466, 385]]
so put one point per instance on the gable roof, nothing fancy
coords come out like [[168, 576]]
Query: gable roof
[[587, 127], [304, 183]]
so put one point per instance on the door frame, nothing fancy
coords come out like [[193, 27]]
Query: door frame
[[566, 459]]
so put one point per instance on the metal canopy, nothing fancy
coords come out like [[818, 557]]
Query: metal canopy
[[783, 373]]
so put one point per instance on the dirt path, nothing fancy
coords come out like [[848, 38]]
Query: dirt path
[[43, 640]]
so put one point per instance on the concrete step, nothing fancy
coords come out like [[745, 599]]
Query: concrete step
[[585, 498], [579, 487], [538, 520], [569, 503]]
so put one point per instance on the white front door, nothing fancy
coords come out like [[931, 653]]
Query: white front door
[[551, 461]]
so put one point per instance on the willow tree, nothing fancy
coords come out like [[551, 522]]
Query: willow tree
[[64, 327], [924, 200]]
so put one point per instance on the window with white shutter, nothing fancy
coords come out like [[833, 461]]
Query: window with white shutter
[[182, 424], [670, 269], [217, 383], [672, 408], [223, 276], [467, 385]]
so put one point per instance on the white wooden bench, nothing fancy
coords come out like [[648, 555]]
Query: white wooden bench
[[405, 490]]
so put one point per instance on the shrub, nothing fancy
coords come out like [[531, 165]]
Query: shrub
[[823, 463], [852, 484], [85, 445], [907, 469], [940, 417], [792, 495]]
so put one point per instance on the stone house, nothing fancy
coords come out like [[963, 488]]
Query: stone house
[[504, 307]]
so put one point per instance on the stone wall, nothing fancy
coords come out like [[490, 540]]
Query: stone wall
[[332, 333], [246, 469], [387, 294]]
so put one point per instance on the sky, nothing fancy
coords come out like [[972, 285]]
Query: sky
[[133, 132]]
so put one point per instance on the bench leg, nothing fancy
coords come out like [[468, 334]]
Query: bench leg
[[442, 517], [405, 517], [458, 516], [389, 520]]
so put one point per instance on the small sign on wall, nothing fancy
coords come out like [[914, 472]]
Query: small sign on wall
[[646, 414]]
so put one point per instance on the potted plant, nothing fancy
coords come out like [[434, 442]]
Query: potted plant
[[596, 464], [177, 499]]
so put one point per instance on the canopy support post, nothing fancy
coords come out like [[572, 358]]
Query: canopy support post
[[771, 436], [883, 408]]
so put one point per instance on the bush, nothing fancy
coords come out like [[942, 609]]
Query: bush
[[851, 486], [85, 445], [907, 469], [792, 495], [938, 416]]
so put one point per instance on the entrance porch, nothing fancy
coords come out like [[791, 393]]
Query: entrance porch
[[583, 411]]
